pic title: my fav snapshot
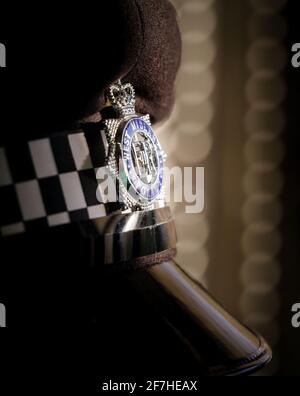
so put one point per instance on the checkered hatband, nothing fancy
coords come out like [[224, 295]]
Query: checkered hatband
[[51, 181]]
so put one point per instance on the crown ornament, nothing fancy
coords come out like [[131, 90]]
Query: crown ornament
[[122, 98]]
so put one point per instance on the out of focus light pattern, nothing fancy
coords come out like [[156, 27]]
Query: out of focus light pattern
[[187, 135], [263, 181]]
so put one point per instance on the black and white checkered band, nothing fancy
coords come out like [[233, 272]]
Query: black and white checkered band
[[51, 181]]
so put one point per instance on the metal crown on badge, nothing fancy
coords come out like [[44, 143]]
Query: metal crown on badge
[[135, 156]]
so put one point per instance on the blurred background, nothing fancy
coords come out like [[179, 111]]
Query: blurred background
[[236, 115]]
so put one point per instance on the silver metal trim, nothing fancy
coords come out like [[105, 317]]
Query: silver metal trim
[[134, 235]]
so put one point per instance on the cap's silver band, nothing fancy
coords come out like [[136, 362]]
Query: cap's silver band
[[137, 238]]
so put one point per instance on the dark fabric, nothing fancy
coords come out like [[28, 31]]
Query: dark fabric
[[59, 64], [65, 60]]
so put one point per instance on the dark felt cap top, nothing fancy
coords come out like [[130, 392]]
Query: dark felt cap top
[[70, 57]]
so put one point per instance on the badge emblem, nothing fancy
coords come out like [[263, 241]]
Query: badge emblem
[[134, 157]]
